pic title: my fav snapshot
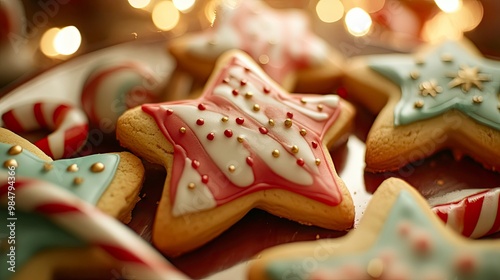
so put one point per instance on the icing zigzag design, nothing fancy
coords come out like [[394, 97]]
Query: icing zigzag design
[[244, 135]]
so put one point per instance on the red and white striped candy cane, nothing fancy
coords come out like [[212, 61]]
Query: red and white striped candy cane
[[473, 215], [69, 125], [139, 259]]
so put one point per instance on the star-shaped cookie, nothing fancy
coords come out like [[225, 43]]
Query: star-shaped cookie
[[280, 40], [443, 96], [399, 237], [110, 181], [244, 143]]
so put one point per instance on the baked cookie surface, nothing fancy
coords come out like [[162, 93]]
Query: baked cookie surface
[[442, 96], [243, 144], [399, 237]]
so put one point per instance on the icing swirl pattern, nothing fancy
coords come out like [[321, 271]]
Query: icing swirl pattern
[[244, 135]]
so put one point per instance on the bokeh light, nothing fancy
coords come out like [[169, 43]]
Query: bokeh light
[[184, 5], [165, 15], [358, 22], [139, 4], [67, 41], [329, 10], [449, 6], [47, 42]]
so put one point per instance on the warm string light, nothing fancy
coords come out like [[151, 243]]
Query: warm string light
[[60, 42], [139, 4], [165, 15], [358, 21]]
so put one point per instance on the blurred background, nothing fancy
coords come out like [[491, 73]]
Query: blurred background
[[38, 34]]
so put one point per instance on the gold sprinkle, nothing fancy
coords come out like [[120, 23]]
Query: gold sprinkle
[[182, 130], [440, 182], [303, 132], [418, 104], [446, 57], [276, 153], [15, 150], [231, 168], [191, 186], [224, 119], [256, 107], [263, 59], [240, 139], [375, 268], [320, 107], [414, 75], [78, 180], [47, 166], [271, 122], [477, 99], [288, 123], [303, 101], [10, 162], [295, 149], [419, 61], [248, 95], [72, 168], [317, 161], [97, 167]]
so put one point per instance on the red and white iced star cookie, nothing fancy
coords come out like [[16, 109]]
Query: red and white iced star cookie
[[280, 40], [399, 237], [244, 143]]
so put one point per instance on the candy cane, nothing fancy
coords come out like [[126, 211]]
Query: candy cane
[[473, 215], [69, 125], [139, 260]]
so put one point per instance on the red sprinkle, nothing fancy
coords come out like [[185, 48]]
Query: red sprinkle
[[266, 89], [249, 161], [195, 164], [314, 144], [204, 179], [263, 130], [300, 162], [240, 120], [235, 92], [289, 115], [211, 136], [201, 106], [228, 133], [200, 121], [243, 82], [170, 112]]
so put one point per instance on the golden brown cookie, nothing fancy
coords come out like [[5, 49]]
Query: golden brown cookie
[[443, 96], [244, 143]]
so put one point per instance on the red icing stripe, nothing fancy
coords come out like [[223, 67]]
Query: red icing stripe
[[10, 122], [37, 109], [441, 213], [56, 208], [471, 214], [4, 188]]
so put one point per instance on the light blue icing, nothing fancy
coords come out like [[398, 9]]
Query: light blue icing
[[440, 260], [94, 183], [398, 68], [33, 233]]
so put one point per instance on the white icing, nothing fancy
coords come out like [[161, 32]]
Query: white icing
[[191, 200], [292, 135], [488, 213], [228, 151], [455, 221], [328, 100], [25, 115]]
